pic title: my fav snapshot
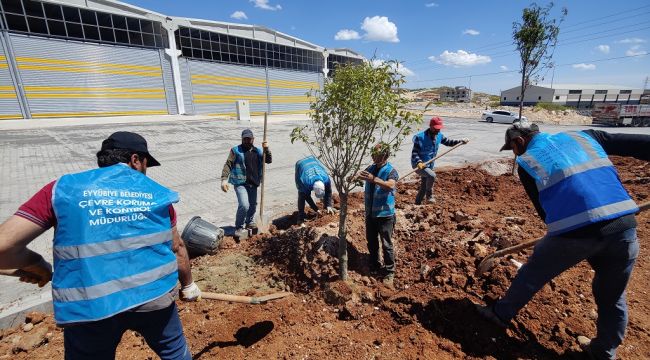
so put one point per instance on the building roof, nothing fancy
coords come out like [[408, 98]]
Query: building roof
[[585, 86]]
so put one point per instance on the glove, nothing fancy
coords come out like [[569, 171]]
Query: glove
[[224, 185], [39, 273], [330, 210], [191, 292], [265, 145], [421, 166], [464, 140]]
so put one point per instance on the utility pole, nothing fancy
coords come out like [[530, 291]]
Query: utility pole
[[552, 77]]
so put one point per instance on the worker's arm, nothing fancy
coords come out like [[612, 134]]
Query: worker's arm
[[451, 142], [182, 258], [384, 184], [227, 167], [15, 234], [633, 145], [415, 153], [311, 202], [327, 200], [269, 156], [531, 189]]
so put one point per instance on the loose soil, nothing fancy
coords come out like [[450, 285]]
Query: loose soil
[[429, 314]]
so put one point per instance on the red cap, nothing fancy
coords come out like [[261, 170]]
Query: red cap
[[436, 122]]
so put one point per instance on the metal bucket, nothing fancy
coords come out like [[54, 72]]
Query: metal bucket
[[201, 237]]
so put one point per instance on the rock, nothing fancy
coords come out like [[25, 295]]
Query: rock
[[351, 311], [366, 281], [424, 271], [514, 220], [460, 216], [31, 340], [28, 327], [478, 250], [593, 315], [338, 293], [35, 317], [327, 326]]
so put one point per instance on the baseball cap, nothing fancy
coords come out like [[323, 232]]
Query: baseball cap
[[436, 122], [319, 189], [248, 133], [129, 141], [517, 130]]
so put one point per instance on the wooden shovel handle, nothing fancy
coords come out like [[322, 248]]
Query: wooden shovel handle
[[432, 160], [243, 299]]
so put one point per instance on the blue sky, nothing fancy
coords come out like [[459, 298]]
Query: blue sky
[[442, 39]]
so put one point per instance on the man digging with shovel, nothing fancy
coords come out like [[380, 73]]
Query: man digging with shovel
[[243, 169], [425, 147], [312, 176], [589, 216]]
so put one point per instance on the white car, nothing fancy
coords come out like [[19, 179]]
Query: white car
[[501, 116]]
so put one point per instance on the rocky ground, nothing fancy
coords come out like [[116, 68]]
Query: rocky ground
[[429, 314]]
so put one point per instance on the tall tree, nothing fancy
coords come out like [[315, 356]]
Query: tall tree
[[358, 107], [535, 38]]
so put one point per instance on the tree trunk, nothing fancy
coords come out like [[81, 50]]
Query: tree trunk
[[523, 91], [343, 242]]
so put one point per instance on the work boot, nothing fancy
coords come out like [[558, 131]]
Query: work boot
[[241, 234], [252, 226], [388, 281], [585, 346], [431, 199], [487, 312]]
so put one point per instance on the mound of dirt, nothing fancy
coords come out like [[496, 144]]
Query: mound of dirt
[[430, 313]]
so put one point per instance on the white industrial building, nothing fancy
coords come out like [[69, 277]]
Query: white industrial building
[[101, 57], [575, 95]]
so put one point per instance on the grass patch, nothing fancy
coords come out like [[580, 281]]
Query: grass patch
[[551, 107]]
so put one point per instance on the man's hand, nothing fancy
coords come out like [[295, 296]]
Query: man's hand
[[364, 175], [39, 273], [464, 140], [224, 185], [191, 292], [421, 166], [265, 145], [330, 210]]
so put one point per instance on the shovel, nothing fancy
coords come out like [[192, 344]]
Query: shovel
[[263, 221], [243, 299], [489, 261], [430, 161]]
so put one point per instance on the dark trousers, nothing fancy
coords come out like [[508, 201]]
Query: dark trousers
[[381, 228], [427, 179], [301, 204], [98, 340]]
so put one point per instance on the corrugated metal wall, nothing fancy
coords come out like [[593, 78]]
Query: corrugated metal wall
[[186, 84], [168, 80], [9, 106], [216, 88], [65, 78], [288, 90]]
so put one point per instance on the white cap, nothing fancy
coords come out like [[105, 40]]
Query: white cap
[[319, 189]]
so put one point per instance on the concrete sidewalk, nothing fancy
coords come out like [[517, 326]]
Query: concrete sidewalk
[[192, 151]]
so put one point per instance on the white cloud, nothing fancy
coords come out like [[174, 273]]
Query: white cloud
[[631, 41], [239, 15], [471, 32], [583, 66], [603, 49], [635, 51], [378, 28], [264, 4], [460, 58], [400, 68], [432, 4], [503, 67], [347, 34]]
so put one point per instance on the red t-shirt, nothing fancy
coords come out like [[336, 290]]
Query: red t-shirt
[[39, 209]]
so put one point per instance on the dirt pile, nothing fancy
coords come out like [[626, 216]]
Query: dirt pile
[[429, 315]]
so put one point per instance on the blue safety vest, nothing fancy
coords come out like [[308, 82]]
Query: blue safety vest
[[238, 171], [112, 243], [308, 171], [428, 148], [577, 183], [383, 201]]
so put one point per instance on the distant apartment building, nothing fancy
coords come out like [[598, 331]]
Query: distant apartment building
[[581, 96], [457, 94]]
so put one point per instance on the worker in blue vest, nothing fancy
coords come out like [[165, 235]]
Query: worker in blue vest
[[117, 253], [311, 175], [379, 198], [589, 216], [243, 169], [425, 147]]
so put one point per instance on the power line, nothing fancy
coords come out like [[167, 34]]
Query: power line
[[516, 71]]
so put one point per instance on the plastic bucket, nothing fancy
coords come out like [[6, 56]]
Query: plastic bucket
[[201, 237]]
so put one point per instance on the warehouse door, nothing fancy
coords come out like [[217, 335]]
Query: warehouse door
[[288, 90], [64, 78], [216, 87]]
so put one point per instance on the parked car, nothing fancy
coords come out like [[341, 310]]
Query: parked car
[[501, 116]]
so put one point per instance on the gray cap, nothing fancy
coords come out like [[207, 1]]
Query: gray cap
[[248, 133], [516, 130]]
